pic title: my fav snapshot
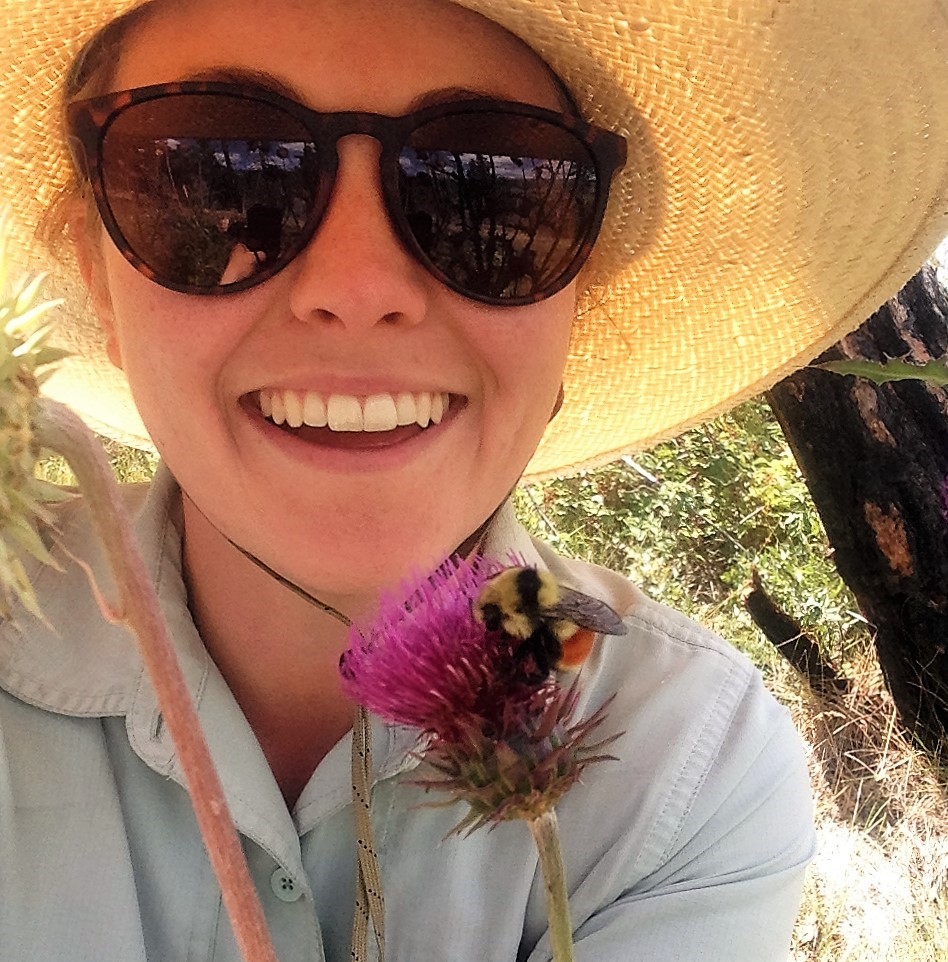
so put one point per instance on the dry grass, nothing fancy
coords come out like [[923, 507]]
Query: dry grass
[[878, 888]]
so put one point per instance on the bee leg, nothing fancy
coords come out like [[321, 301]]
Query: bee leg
[[538, 654], [533, 662]]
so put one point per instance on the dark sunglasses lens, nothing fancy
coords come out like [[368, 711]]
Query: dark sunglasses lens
[[209, 190], [501, 204]]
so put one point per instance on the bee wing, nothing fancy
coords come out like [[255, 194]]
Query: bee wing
[[587, 612]]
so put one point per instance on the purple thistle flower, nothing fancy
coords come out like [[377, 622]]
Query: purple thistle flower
[[497, 736]]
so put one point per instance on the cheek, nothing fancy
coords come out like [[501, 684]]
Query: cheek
[[524, 352], [171, 346], [153, 323], [532, 355]]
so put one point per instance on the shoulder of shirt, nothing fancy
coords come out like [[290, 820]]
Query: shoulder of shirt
[[669, 675], [74, 661], [689, 714], [662, 649]]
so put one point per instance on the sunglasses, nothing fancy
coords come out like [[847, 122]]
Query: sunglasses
[[211, 188]]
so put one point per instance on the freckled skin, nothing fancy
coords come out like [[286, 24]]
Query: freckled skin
[[352, 314]]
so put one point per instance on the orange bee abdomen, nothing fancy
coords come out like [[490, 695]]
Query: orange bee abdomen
[[576, 649]]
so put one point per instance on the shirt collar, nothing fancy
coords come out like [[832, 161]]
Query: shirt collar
[[76, 662]]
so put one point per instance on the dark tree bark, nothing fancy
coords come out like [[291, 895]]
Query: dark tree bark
[[875, 458], [789, 638]]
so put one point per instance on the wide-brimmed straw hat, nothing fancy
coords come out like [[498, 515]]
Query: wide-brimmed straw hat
[[788, 172]]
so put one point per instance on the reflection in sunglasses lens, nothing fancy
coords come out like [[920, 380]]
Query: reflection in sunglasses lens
[[203, 191], [499, 204]]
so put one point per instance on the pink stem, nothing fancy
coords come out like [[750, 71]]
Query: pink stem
[[60, 430]]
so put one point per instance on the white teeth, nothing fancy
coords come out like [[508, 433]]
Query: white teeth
[[378, 413], [314, 411], [293, 404], [277, 411], [437, 408], [405, 408], [423, 407], [344, 412]]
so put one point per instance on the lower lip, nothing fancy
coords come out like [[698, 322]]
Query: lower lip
[[352, 450]]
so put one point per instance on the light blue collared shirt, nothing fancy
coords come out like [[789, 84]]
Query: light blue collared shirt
[[690, 848]]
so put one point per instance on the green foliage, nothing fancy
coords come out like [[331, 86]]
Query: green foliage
[[935, 372], [130, 465], [691, 519]]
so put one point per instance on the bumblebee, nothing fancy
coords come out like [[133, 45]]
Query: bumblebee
[[556, 625]]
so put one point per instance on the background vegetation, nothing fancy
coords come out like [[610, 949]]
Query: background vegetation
[[690, 521]]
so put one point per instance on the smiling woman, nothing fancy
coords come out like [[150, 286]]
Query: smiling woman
[[353, 267]]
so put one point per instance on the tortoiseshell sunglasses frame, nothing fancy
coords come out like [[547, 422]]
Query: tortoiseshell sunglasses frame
[[88, 122]]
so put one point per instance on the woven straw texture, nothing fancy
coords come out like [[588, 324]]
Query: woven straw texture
[[788, 172]]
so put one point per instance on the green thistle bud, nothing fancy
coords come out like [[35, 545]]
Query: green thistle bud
[[23, 351]]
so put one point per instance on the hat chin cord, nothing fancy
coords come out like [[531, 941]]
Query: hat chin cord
[[472, 543]]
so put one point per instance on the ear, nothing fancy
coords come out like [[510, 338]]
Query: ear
[[85, 231]]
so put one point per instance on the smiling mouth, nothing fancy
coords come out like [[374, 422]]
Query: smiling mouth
[[345, 420]]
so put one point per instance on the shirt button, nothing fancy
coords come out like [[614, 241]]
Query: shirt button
[[284, 886]]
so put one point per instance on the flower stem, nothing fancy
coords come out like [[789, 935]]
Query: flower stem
[[59, 429], [547, 837]]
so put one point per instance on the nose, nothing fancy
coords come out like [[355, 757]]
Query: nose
[[355, 273]]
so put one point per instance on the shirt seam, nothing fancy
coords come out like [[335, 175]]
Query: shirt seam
[[707, 743], [672, 631]]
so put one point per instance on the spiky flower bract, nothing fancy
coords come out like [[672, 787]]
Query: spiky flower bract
[[23, 352], [497, 737]]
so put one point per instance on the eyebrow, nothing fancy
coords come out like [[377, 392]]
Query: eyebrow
[[251, 77], [445, 95], [268, 81]]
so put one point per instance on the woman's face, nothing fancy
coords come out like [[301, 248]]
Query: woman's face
[[353, 315]]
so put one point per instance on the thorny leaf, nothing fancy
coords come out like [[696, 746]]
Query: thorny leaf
[[934, 372]]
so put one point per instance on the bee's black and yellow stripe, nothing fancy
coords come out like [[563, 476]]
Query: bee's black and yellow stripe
[[557, 625]]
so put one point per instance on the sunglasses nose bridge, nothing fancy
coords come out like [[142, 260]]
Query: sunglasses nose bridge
[[333, 131], [333, 128]]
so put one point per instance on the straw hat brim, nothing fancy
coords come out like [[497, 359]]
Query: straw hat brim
[[788, 172]]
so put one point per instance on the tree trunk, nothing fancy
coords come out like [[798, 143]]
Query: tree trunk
[[875, 458]]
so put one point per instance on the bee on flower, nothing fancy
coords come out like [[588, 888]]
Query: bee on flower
[[555, 625]]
